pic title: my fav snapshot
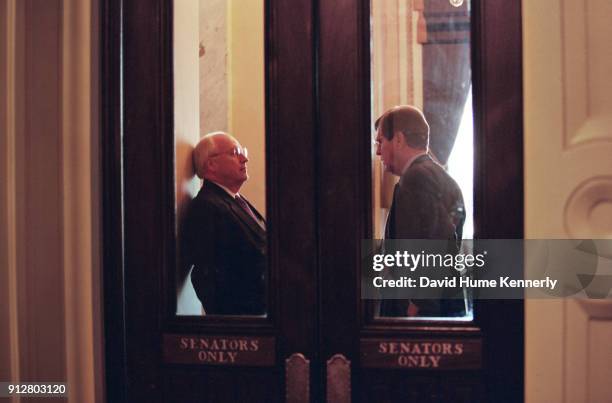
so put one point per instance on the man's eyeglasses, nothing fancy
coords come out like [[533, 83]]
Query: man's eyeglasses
[[235, 152]]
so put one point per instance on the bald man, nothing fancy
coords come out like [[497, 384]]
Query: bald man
[[427, 202], [225, 236]]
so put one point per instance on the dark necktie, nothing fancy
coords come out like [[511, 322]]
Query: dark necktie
[[247, 209]]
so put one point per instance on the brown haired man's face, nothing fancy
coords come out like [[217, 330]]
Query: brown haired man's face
[[384, 149]]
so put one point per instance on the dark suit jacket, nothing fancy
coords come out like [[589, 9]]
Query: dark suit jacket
[[228, 251], [427, 204]]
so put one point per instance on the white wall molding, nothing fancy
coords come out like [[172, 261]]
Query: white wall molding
[[79, 157], [588, 211], [568, 187], [585, 33]]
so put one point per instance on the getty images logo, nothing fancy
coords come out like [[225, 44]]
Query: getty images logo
[[583, 267]]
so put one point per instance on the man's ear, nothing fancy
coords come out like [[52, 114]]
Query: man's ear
[[398, 138], [209, 165]]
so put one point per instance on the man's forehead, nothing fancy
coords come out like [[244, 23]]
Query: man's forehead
[[225, 140]]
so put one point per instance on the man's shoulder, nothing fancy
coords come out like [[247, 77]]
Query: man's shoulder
[[423, 169], [213, 195], [208, 202], [424, 163], [427, 174]]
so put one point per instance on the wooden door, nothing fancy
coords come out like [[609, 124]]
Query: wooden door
[[152, 354], [318, 190], [490, 367]]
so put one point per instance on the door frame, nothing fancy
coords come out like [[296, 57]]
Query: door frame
[[136, 118]]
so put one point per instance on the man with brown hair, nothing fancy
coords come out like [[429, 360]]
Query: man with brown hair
[[427, 202]]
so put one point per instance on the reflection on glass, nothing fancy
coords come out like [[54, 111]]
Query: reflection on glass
[[220, 189], [421, 57]]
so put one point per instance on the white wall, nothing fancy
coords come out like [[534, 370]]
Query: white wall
[[246, 88], [186, 129], [49, 254], [213, 52], [232, 82]]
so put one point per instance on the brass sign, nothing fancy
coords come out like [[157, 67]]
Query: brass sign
[[435, 354], [219, 350]]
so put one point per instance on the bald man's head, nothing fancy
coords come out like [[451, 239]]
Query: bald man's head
[[220, 158]]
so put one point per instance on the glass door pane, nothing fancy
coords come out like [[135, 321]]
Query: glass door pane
[[423, 135]]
